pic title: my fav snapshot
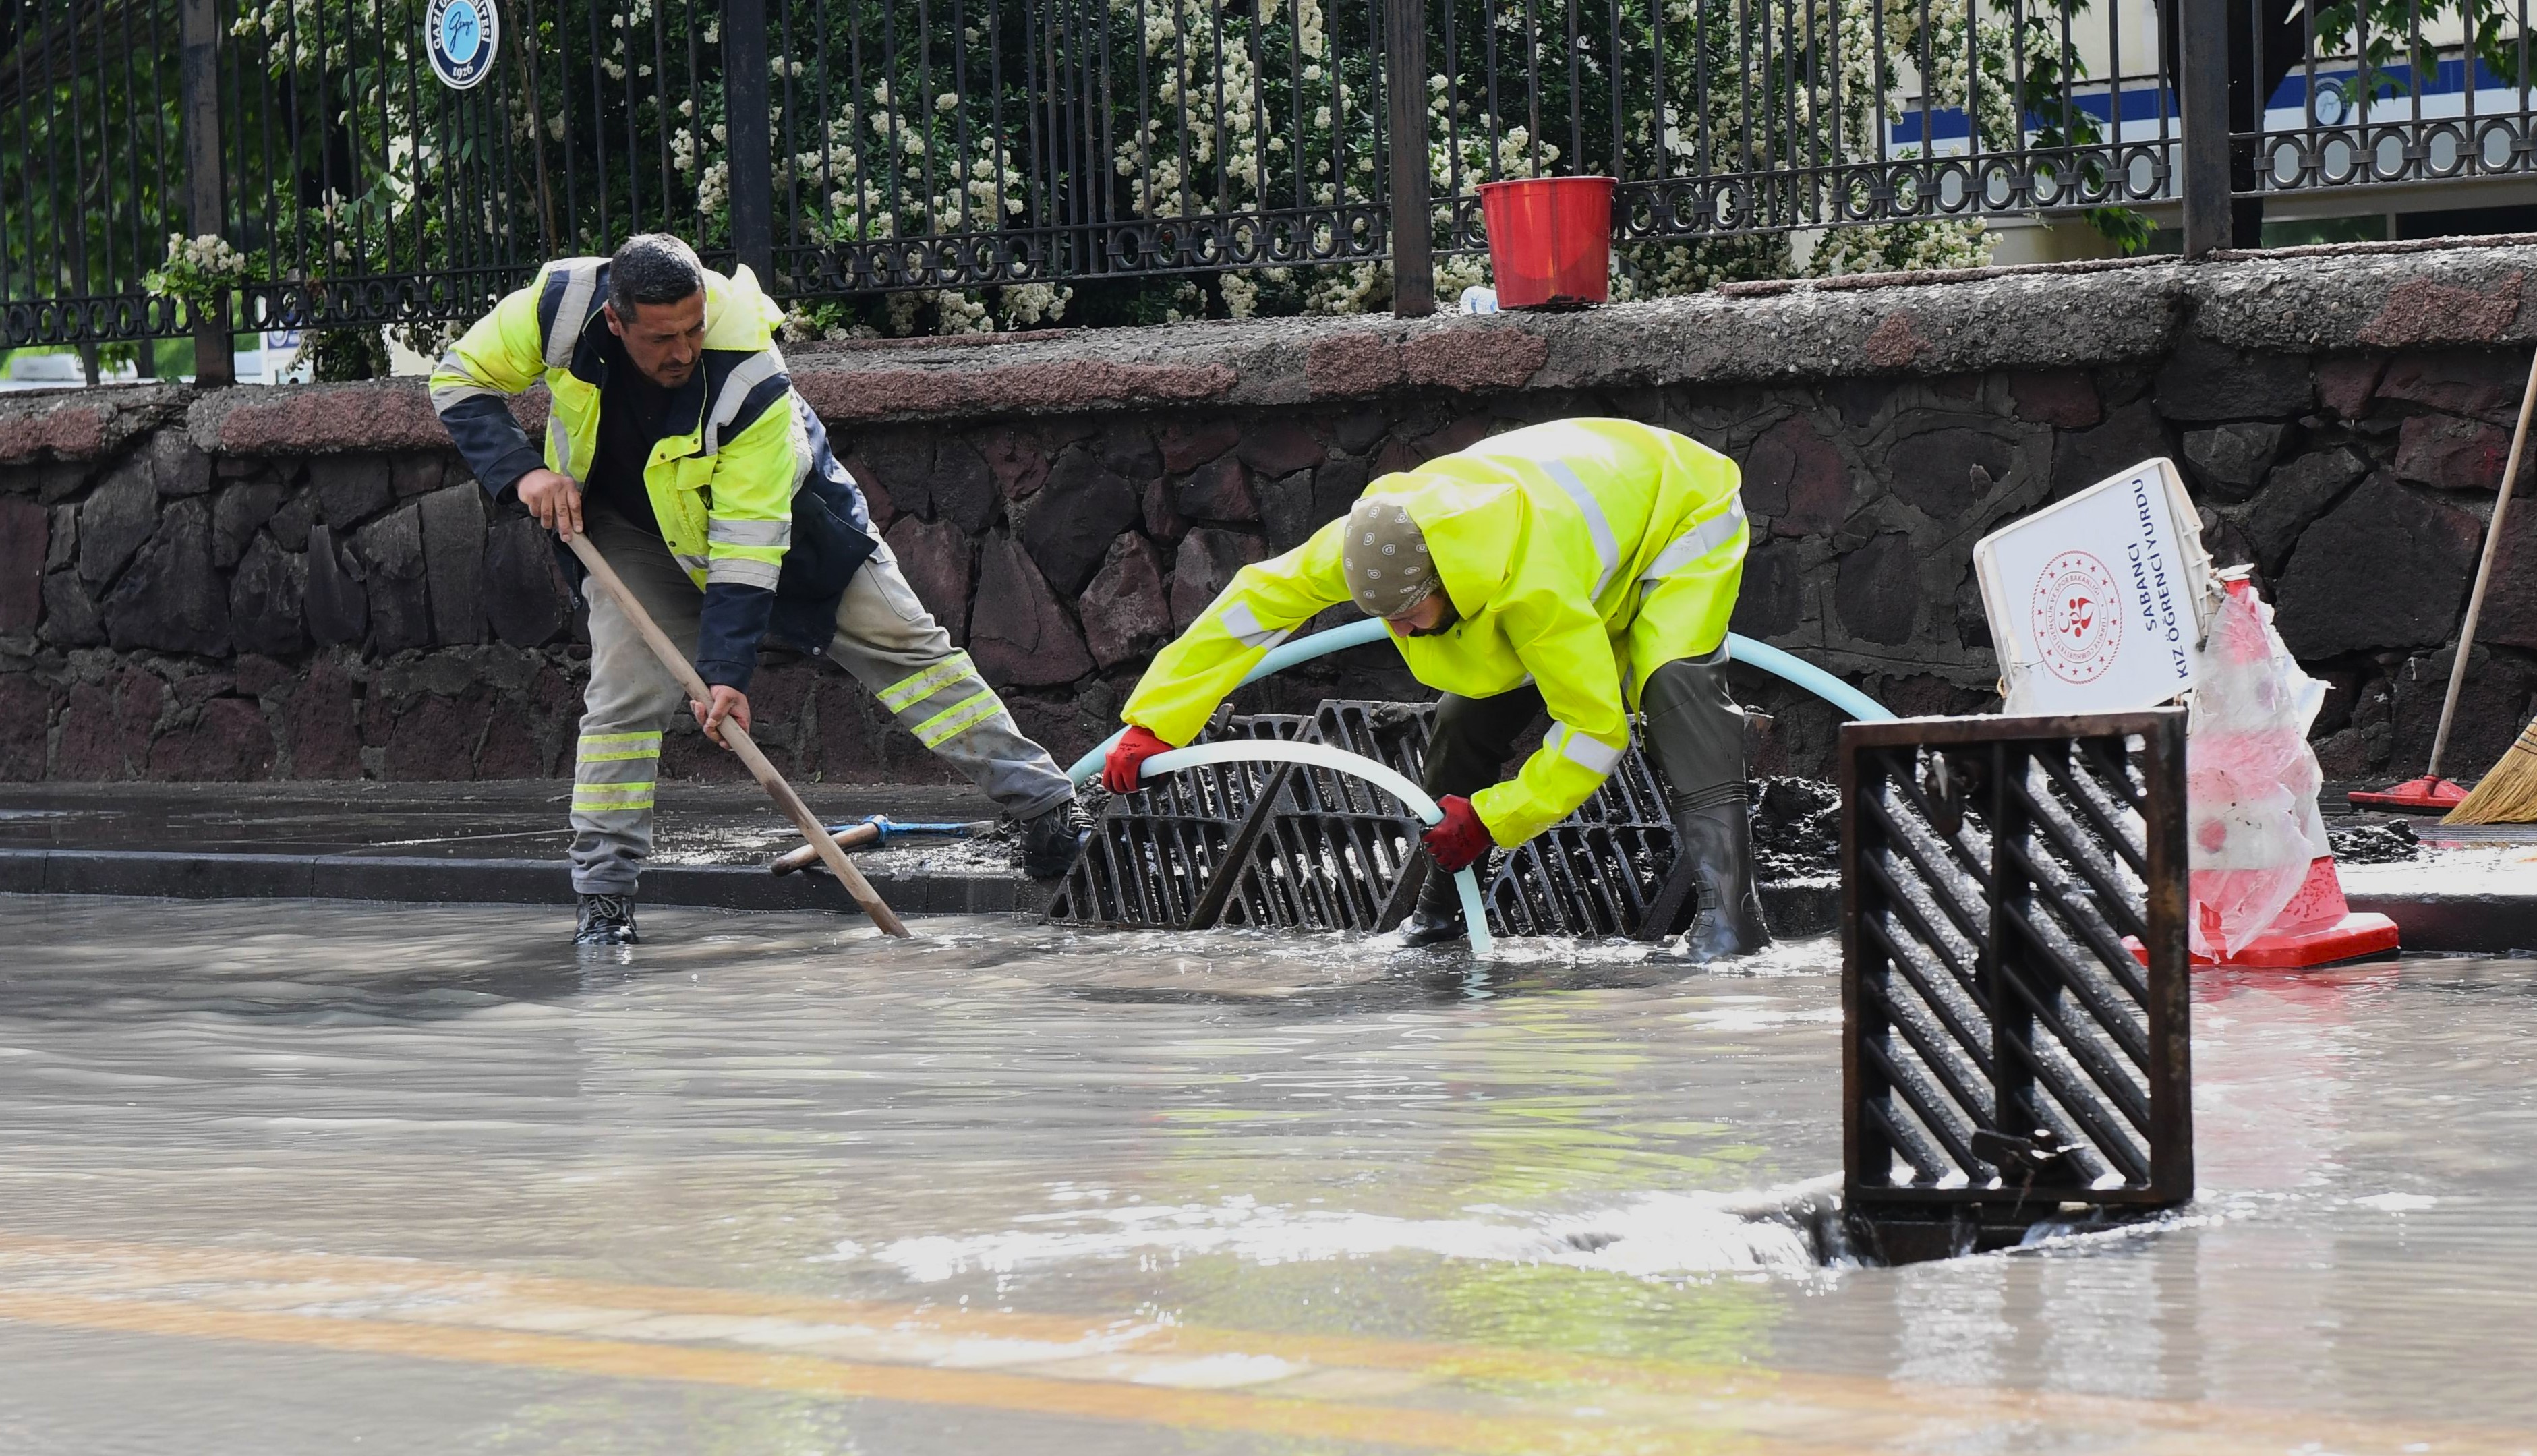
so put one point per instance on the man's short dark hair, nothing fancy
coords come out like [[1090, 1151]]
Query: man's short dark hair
[[652, 268]]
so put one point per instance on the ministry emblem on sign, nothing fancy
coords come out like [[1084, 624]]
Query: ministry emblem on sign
[[2078, 622], [460, 37]]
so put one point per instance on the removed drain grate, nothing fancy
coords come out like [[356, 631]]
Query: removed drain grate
[[2006, 1059]]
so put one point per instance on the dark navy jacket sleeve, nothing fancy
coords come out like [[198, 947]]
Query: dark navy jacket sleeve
[[735, 618], [500, 354], [492, 442]]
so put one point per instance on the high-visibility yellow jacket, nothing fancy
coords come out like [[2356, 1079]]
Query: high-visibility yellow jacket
[[750, 499], [1581, 554]]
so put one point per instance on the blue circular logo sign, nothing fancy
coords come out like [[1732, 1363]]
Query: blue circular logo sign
[[460, 37]]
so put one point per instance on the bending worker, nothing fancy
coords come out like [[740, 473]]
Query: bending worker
[[675, 438], [1585, 566]]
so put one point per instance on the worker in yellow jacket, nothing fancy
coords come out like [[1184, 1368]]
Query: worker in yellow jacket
[[1585, 566], [674, 440]]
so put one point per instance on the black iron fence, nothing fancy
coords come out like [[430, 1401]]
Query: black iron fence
[[2375, 92], [325, 174], [89, 140]]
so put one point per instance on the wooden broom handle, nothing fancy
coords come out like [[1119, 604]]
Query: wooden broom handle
[[737, 739], [2484, 572]]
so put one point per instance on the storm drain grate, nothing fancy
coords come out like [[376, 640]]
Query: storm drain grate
[[1156, 853], [2006, 1051], [1290, 847], [1606, 870]]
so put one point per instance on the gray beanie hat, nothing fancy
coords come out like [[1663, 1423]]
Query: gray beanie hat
[[1388, 571]]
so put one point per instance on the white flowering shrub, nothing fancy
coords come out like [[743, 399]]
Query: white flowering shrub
[[1273, 104], [1166, 159], [198, 270]]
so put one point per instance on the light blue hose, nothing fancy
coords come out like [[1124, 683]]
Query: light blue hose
[[1475, 918], [1791, 668], [1741, 649]]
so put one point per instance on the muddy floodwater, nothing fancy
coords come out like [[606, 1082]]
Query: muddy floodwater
[[295, 1178]]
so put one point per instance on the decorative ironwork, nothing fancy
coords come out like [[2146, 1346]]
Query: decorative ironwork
[[2374, 94], [108, 318], [1154, 246], [1744, 204], [2303, 159], [461, 295], [999, 144], [2016, 1029]]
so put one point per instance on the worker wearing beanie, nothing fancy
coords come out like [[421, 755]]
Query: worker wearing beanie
[[1587, 566]]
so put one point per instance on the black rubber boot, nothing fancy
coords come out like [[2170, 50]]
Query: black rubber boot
[[607, 920], [1055, 840], [1719, 839], [1438, 915]]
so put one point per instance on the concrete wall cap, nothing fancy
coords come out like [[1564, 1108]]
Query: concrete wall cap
[[2346, 297], [81, 424]]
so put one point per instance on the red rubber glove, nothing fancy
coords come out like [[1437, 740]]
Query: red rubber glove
[[1458, 840], [1127, 759]]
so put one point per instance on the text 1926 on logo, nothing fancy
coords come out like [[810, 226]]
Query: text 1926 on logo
[[460, 37], [2078, 621]]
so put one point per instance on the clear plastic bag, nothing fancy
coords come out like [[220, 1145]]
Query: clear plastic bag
[[2252, 779]]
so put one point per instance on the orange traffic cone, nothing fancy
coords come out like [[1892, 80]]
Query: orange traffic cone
[[2316, 928], [2253, 786]]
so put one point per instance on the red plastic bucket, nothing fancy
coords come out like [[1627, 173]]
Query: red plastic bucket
[[1550, 240]]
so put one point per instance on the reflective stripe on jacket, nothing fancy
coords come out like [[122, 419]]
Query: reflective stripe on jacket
[[736, 446], [1581, 554]]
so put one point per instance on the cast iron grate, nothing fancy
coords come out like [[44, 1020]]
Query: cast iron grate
[[1155, 852], [1289, 847], [2007, 1050], [1606, 870]]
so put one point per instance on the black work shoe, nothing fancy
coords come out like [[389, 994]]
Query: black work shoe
[[1438, 917], [607, 920], [1719, 842], [1055, 840]]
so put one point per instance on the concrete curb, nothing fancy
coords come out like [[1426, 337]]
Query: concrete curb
[[1794, 910], [512, 882], [2486, 923]]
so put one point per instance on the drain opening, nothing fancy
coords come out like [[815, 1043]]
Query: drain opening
[[1837, 1234]]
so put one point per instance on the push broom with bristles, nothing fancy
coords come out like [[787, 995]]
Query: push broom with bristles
[[2513, 782], [2509, 794]]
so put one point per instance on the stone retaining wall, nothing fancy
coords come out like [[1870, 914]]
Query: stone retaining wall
[[303, 582]]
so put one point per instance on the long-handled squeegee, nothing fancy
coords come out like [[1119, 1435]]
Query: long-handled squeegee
[[737, 738], [876, 832]]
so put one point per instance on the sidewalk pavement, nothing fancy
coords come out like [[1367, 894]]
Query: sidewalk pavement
[[499, 842]]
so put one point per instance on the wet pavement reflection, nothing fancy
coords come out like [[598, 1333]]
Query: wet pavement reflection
[[714, 823], [295, 1176]]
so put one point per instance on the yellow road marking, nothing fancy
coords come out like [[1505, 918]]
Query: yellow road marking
[[1391, 1426], [1329, 1388]]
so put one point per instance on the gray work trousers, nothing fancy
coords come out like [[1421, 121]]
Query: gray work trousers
[[884, 637], [1689, 722]]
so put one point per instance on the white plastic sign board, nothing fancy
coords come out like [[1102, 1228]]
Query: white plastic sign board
[[2097, 604]]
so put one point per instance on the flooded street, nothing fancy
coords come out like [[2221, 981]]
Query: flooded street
[[317, 1177]]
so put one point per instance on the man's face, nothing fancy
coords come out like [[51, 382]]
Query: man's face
[[664, 340], [1433, 615]]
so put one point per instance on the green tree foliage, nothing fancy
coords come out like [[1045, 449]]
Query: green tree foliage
[[90, 175]]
